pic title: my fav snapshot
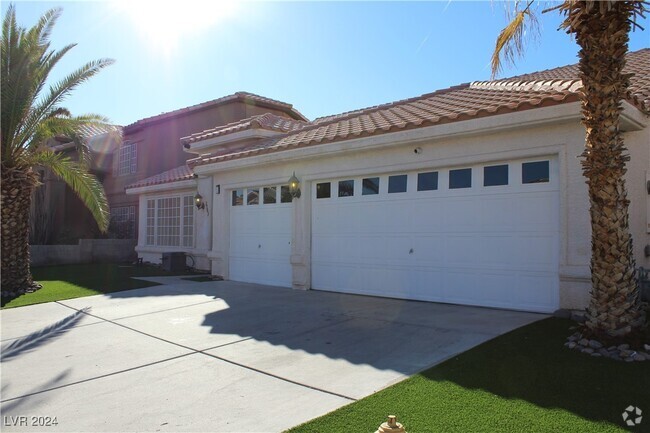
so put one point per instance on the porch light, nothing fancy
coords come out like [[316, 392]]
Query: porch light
[[198, 201], [294, 186]]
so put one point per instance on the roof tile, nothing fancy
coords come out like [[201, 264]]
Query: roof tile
[[174, 175], [461, 102]]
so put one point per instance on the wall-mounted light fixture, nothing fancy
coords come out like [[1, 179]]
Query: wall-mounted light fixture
[[294, 186], [199, 202]]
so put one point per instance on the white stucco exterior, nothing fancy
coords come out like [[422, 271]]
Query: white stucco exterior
[[553, 132]]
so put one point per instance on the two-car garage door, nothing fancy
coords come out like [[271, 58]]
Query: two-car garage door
[[478, 235]]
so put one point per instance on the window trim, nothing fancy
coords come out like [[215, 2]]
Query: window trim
[[132, 167]]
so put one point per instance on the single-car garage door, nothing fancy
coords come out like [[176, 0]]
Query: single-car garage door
[[478, 235], [260, 235]]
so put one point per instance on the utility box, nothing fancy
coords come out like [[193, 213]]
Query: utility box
[[174, 262]]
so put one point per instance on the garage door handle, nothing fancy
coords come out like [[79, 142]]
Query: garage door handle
[[411, 251], [259, 246]]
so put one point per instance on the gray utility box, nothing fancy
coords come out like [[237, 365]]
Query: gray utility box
[[173, 262]]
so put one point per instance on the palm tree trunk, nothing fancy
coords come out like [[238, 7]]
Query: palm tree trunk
[[17, 187], [602, 31]]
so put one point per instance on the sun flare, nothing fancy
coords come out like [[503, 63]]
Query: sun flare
[[164, 24]]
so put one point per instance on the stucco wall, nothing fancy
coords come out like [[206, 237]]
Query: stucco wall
[[87, 251]]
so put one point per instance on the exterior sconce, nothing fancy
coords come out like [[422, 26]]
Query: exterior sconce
[[198, 201], [294, 186]]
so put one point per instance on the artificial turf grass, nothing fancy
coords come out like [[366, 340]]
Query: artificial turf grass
[[523, 381], [75, 281]]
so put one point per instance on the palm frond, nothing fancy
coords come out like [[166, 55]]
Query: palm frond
[[60, 124], [510, 43], [84, 184]]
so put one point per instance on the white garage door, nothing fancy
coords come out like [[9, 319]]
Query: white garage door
[[260, 235], [481, 235]]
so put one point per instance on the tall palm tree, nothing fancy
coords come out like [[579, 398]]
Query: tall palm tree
[[30, 115], [601, 29]]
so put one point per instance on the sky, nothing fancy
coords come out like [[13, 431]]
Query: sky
[[323, 57]]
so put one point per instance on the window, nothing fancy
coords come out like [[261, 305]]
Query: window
[[535, 172], [170, 221], [238, 197], [127, 161], [370, 186], [252, 196], [270, 196], [151, 222], [461, 178], [397, 183], [428, 181], [323, 190], [346, 188], [122, 222], [495, 175], [285, 194], [188, 221]]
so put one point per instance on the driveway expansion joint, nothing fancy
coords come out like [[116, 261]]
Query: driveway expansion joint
[[203, 352]]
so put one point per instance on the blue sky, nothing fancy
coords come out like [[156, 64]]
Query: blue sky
[[324, 58]]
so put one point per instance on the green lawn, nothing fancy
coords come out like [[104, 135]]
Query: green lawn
[[524, 381], [75, 281]]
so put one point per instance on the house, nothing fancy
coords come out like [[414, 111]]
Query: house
[[468, 195], [57, 214], [146, 148]]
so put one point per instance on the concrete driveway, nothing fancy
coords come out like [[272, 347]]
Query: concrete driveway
[[219, 356]]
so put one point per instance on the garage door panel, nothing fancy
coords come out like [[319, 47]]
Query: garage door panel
[[490, 246], [260, 244], [498, 214], [501, 248], [429, 250], [460, 215], [426, 216], [496, 287], [322, 246], [461, 286], [535, 252], [531, 290], [461, 249]]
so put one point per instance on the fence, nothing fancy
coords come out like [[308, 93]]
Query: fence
[[87, 251]]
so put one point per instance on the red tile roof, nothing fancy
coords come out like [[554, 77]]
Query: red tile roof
[[174, 175], [267, 121], [246, 97], [467, 101]]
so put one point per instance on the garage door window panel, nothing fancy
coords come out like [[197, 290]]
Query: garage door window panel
[[535, 172], [495, 175], [252, 196], [428, 181], [397, 183], [270, 195], [346, 188], [285, 194], [323, 190], [238, 197], [370, 186], [460, 178]]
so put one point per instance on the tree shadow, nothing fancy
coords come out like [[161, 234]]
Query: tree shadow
[[11, 406], [41, 337], [387, 334]]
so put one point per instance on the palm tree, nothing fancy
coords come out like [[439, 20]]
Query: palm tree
[[601, 29], [31, 115]]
